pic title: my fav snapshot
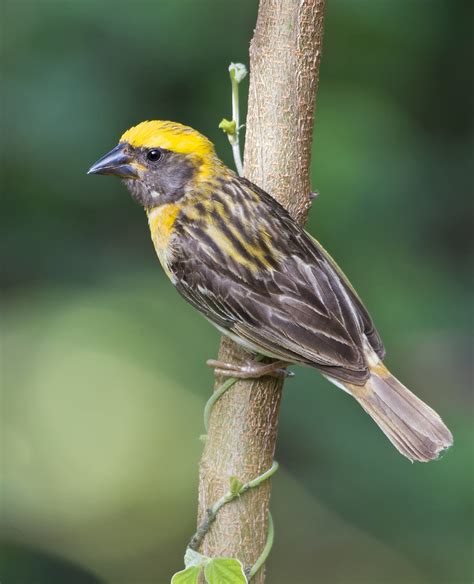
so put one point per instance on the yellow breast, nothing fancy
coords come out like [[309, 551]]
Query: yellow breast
[[161, 221]]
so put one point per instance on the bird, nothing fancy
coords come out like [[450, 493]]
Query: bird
[[237, 256]]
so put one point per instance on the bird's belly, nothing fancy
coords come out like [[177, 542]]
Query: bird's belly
[[247, 345]]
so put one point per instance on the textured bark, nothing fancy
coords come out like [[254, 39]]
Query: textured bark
[[284, 65]]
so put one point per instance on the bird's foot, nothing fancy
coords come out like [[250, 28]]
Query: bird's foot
[[251, 369]]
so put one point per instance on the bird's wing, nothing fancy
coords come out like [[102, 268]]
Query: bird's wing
[[294, 303], [366, 321]]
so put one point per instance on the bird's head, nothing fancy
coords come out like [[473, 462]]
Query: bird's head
[[160, 161]]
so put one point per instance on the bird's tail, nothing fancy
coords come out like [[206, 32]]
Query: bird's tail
[[412, 427]]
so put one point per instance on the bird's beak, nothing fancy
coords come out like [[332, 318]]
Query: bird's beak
[[117, 162]]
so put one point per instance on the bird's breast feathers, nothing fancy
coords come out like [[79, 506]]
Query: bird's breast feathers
[[161, 220]]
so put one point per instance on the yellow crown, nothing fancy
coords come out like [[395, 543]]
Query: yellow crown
[[169, 135]]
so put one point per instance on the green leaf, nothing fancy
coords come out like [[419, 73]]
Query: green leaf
[[187, 576], [235, 486], [225, 571], [228, 127], [193, 558]]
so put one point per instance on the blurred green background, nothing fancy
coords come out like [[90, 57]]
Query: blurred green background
[[103, 370]]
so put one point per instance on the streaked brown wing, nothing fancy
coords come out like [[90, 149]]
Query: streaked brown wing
[[326, 263], [367, 324], [274, 317], [301, 309]]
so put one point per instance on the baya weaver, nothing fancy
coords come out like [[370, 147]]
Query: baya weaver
[[235, 254]]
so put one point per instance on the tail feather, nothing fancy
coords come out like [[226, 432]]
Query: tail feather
[[415, 429]]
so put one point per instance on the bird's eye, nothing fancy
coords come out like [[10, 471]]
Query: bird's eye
[[153, 155]]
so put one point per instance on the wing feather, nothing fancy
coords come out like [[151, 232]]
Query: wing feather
[[299, 308]]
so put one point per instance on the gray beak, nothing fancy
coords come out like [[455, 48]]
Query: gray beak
[[117, 162]]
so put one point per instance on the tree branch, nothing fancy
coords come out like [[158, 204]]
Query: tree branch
[[284, 62]]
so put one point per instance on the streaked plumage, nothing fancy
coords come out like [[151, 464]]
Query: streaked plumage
[[237, 256]]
